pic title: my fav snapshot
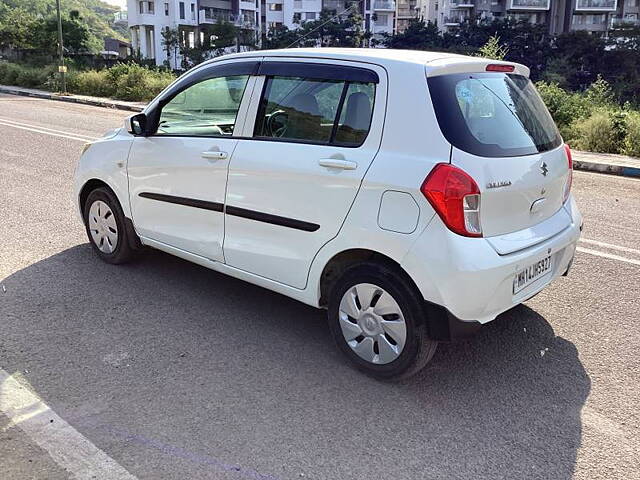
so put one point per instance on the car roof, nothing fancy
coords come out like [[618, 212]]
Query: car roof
[[436, 63], [374, 55]]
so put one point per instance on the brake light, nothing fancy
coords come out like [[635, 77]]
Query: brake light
[[498, 67], [567, 185], [455, 197]]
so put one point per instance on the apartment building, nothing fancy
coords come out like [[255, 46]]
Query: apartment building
[[406, 10], [558, 15], [148, 18], [379, 16]]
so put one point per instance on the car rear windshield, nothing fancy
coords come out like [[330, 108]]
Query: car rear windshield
[[492, 114]]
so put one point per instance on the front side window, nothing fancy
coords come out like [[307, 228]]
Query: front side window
[[334, 112], [493, 114], [206, 109], [181, 6]]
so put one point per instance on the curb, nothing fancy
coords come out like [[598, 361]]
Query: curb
[[73, 99], [611, 169]]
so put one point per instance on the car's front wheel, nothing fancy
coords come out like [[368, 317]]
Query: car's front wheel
[[105, 225], [377, 319]]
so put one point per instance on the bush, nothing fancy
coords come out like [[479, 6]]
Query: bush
[[8, 73], [124, 81], [135, 82], [19, 75], [632, 140], [565, 107], [92, 83], [604, 132], [599, 93]]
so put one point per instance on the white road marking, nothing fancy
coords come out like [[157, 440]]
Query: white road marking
[[609, 245], [39, 127], [41, 130], [68, 447], [608, 255]]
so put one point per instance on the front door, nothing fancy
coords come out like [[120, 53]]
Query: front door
[[293, 181], [177, 176]]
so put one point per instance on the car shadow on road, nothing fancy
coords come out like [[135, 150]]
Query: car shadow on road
[[227, 369]]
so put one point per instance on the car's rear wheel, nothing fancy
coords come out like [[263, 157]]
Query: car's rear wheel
[[377, 319], [106, 228]]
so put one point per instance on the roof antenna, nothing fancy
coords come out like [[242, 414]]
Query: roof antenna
[[323, 24]]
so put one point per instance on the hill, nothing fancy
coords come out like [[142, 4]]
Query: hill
[[96, 15]]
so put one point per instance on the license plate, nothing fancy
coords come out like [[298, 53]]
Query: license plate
[[533, 272]]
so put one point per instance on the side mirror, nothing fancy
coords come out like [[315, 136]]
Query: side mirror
[[137, 124]]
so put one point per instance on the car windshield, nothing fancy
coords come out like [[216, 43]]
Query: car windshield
[[493, 114]]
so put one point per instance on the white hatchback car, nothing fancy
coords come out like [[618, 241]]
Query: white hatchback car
[[414, 195]]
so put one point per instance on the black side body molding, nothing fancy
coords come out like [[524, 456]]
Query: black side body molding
[[189, 202], [235, 211], [272, 219]]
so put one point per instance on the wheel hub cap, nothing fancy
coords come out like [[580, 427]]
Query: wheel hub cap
[[103, 227], [372, 323]]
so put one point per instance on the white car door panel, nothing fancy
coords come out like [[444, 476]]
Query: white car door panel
[[288, 197], [178, 175], [177, 195]]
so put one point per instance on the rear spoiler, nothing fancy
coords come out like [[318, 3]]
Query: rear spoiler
[[462, 64]]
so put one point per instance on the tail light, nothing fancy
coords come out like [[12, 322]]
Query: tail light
[[455, 196], [567, 185]]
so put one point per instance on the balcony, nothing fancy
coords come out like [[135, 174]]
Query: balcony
[[381, 5], [243, 21], [208, 16], [596, 5], [530, 4], [462, 4], [626, 21], [453, 21]]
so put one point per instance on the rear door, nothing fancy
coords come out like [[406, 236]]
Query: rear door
[[503, 136], [314, 131]]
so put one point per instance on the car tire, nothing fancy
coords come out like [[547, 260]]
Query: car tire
[[106, 227], [384, 333]]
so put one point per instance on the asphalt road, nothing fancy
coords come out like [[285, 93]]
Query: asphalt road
[[171, 371]]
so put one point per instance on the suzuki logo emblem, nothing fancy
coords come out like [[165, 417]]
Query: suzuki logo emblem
[[544, 169]]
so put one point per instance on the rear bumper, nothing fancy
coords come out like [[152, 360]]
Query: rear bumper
[[472, 281]]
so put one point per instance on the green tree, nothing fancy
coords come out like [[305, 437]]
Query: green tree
[[97, 17], [417, 36], [493, 49], [170, 43], [75, 35], [16, 28], [329, 30], [576, 59]]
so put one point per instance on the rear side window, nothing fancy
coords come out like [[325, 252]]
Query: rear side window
[[492, 114], [321, 111]]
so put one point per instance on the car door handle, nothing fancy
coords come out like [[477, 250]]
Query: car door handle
[[214, 155], [337, 163]]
